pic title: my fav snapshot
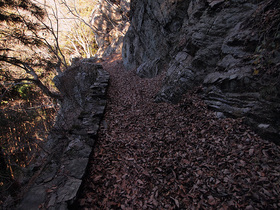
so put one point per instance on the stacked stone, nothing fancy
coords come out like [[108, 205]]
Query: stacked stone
[[60, 177]]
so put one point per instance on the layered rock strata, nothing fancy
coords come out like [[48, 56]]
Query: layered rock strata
[[220, 45]]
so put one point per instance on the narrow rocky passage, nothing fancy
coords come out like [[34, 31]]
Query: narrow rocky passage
[[165, 156]]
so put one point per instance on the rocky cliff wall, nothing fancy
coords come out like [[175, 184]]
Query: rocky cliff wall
[[57, 174], [110, 18], [230, 48]]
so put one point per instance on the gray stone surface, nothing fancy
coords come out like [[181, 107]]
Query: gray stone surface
[[34, 198], [150, 69], [69, 191], [210, 44], [110, 19], [70, 143]]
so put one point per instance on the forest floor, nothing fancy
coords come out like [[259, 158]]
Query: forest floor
[[164, 156]]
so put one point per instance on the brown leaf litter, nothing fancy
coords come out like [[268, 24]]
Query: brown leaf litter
[[165, 156]]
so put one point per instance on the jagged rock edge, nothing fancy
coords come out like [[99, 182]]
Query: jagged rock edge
[[58, 181]]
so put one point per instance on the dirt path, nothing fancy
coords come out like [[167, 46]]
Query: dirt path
[[163, 156]]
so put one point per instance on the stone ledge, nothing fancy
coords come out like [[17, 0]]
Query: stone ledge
[[61, 173]]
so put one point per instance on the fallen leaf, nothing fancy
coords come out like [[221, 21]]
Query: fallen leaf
[[97, 178], [140, 182], [251, 152], [211, 200]]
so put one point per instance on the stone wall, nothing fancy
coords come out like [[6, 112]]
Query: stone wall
[[215, 44], [64, 157]]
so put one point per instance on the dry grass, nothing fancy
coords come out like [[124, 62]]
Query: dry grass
[[24, 127]]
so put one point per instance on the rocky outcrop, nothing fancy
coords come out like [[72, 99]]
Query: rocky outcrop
[[64, 158], [222, 46], [110, 19]]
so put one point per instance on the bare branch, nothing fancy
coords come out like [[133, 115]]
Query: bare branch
[[32, 72], [75, 13], [42, 87], [55, 50]]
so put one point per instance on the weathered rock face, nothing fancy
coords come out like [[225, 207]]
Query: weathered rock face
[[213, 43], [63, 161], [153, 31], [110, 19]]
